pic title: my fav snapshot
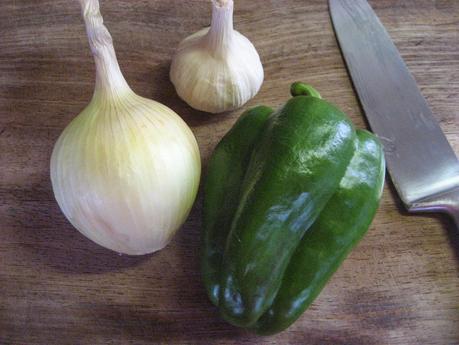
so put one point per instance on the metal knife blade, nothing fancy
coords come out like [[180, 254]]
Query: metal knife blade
[[422, 164]]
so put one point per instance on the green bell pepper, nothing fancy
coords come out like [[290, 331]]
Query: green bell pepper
[[288, 194], [341, 224], [225, 173]]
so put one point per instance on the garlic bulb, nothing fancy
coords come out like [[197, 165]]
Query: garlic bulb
[[125, 172], [217, 69]]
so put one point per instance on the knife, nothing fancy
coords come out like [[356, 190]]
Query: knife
[[423, 167]]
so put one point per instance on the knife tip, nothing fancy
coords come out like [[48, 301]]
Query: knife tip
[[332, 4]]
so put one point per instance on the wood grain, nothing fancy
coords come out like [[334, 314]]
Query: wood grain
[[399, 286]]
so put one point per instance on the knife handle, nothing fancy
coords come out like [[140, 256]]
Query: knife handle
[[446, 203]]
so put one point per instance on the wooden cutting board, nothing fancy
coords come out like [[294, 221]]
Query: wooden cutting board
[[399, 286]]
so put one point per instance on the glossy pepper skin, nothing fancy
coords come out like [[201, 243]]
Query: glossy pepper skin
[[260, 200], [226, 170], [342, 223]]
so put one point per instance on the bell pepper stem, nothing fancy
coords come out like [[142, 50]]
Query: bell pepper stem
[[301, 89]]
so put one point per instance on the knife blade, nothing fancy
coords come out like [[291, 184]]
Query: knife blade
[[422, 165]]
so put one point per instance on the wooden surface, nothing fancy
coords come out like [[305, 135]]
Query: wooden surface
[[399, 286]]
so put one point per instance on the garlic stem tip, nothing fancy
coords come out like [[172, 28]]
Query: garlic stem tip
[[221, 3]]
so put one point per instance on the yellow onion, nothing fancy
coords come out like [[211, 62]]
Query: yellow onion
[[125, 172]]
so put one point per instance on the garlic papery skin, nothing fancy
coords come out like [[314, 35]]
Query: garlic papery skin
[[125, 172], [217, 69]]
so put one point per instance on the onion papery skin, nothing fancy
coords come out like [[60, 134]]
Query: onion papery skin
[[125, 172]]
